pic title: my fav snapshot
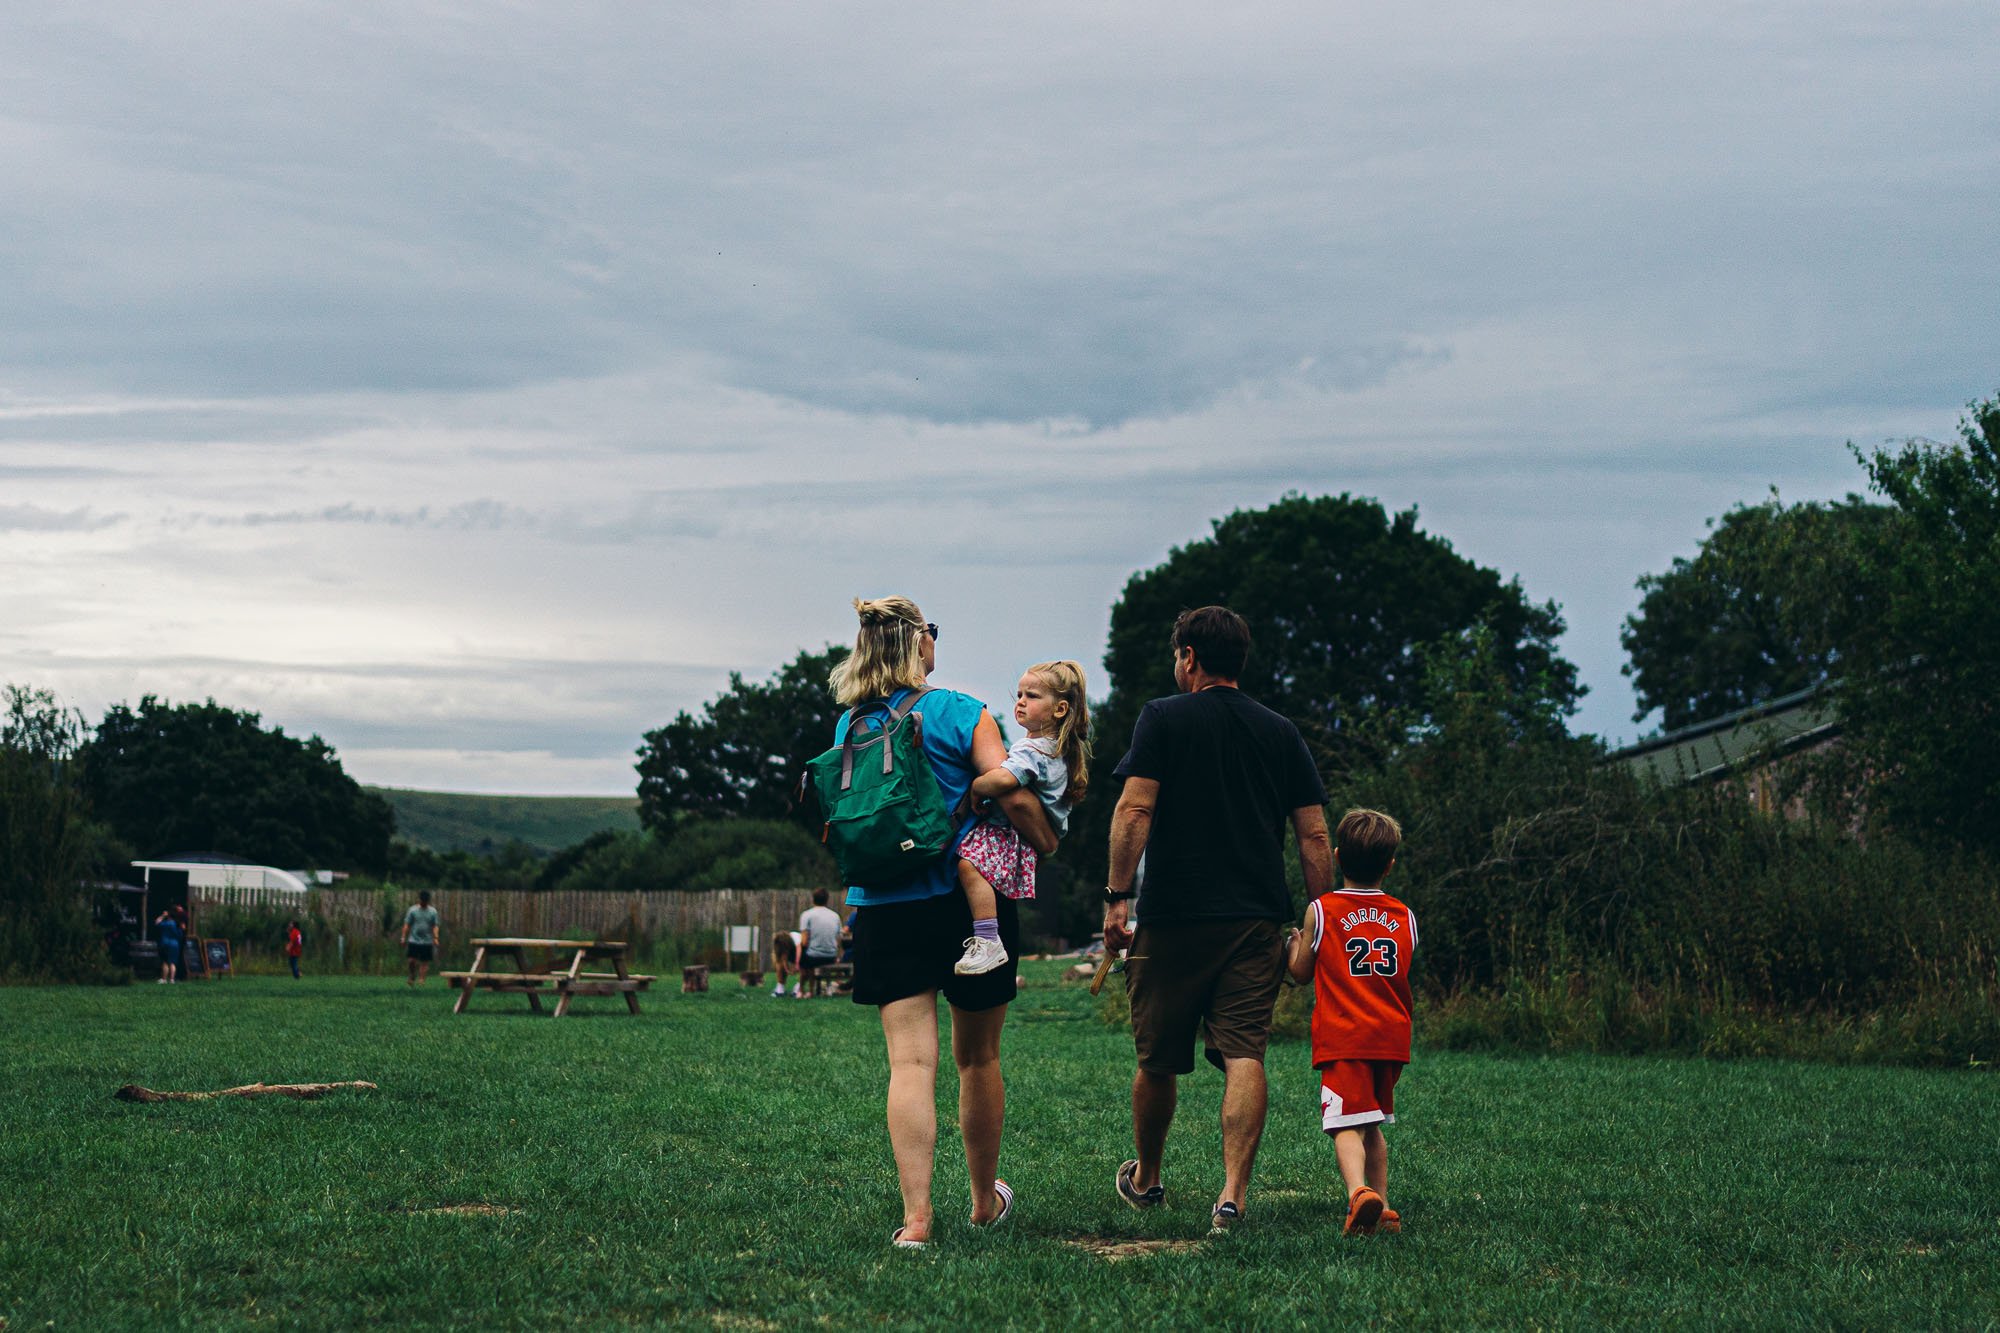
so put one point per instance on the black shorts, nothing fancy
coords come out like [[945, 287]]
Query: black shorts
[[422, 953], [816, 960], [905, 949]]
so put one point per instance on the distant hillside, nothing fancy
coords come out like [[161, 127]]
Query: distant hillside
[[450, 821]]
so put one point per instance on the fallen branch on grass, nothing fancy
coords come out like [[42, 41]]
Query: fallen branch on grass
[[132, 1092]]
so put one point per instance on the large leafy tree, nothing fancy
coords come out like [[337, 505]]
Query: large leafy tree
[[45, 842], [1344, 600], [1350, 608], [201, 777], [743, 755], [1919, 696], [1760, 611]]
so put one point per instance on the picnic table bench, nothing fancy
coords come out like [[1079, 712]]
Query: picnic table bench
[[830, 980], [568, 981]]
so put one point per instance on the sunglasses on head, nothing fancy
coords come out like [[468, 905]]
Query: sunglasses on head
[[931, 629]]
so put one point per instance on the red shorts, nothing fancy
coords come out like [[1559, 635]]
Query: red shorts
[[1355, 1093]]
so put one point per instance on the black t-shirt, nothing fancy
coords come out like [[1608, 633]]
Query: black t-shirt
[[1231, 772]]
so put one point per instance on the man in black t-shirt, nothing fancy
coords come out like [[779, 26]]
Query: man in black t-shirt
[[1211, 780]]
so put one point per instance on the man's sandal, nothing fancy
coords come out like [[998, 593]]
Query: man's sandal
[[1392, 1221], [896, 1239], [1226, 1215]]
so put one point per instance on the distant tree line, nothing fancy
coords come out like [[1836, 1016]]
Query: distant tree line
[[1420, 678]]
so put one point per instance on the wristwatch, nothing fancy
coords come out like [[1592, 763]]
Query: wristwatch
[[1112, 895]]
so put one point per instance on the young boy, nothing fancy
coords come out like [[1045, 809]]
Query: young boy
[[1357, 943]]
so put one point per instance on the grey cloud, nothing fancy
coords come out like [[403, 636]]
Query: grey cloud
[[34, 518], [618, 522], [470, 516], [173, 423], [688, 514], [1033, 221], [52, 472]]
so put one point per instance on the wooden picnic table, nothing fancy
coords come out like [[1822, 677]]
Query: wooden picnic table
[[561, 970]]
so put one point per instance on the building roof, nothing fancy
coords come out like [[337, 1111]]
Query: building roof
[[1721, 745], [210, 875]]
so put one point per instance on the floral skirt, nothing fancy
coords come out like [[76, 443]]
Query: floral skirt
[[997, 852]]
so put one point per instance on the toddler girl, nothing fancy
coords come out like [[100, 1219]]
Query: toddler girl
[[1052, 761]]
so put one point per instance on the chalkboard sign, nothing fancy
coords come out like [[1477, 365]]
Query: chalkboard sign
[[217, 952], [193, 964]]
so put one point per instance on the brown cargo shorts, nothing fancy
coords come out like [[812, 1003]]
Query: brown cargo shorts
[[1218, 979]]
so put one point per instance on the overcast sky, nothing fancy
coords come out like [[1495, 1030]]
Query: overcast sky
[[476, 385]]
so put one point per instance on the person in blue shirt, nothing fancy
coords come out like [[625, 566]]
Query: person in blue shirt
[[169, 924], [908, 936]]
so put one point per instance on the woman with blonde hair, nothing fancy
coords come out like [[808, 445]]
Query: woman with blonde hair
[[907, 936]]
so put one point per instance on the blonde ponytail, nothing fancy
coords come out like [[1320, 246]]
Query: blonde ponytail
[[1066, 684], [888, 652]]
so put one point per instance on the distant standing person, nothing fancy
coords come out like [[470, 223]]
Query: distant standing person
[[1210, 782], [420, 938], [169, 927], [819, 943], [295, 944]]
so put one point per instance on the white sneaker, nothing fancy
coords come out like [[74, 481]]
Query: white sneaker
[[777, 991], [981, 956]]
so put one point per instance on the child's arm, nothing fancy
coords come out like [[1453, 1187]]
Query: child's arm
[[1299, 959], [994, 783]]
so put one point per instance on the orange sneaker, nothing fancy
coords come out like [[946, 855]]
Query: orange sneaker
[[1364, 1212], [1392, 1221]]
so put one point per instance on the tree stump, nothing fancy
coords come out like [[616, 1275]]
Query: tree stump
[[694, 978], [751, 979]]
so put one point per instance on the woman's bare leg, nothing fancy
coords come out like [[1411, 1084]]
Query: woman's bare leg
[[911, 1030], [982, 1101]]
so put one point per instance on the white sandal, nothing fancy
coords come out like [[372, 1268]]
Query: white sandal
[[1001, 1188]]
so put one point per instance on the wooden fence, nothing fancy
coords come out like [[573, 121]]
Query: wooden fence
[[363, 914]]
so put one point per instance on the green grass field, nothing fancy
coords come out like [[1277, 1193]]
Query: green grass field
[[449, 821], [720, 1162]]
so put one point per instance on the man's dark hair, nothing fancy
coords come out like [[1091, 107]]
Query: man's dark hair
[[424, 896], [819, 897], [1220, 639]]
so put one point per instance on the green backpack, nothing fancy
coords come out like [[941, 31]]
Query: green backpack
[[886, 819]]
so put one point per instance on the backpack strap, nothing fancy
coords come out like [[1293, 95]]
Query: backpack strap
[[888, 724]]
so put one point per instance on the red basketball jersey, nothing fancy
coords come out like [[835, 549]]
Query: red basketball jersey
[[1362, 942]]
